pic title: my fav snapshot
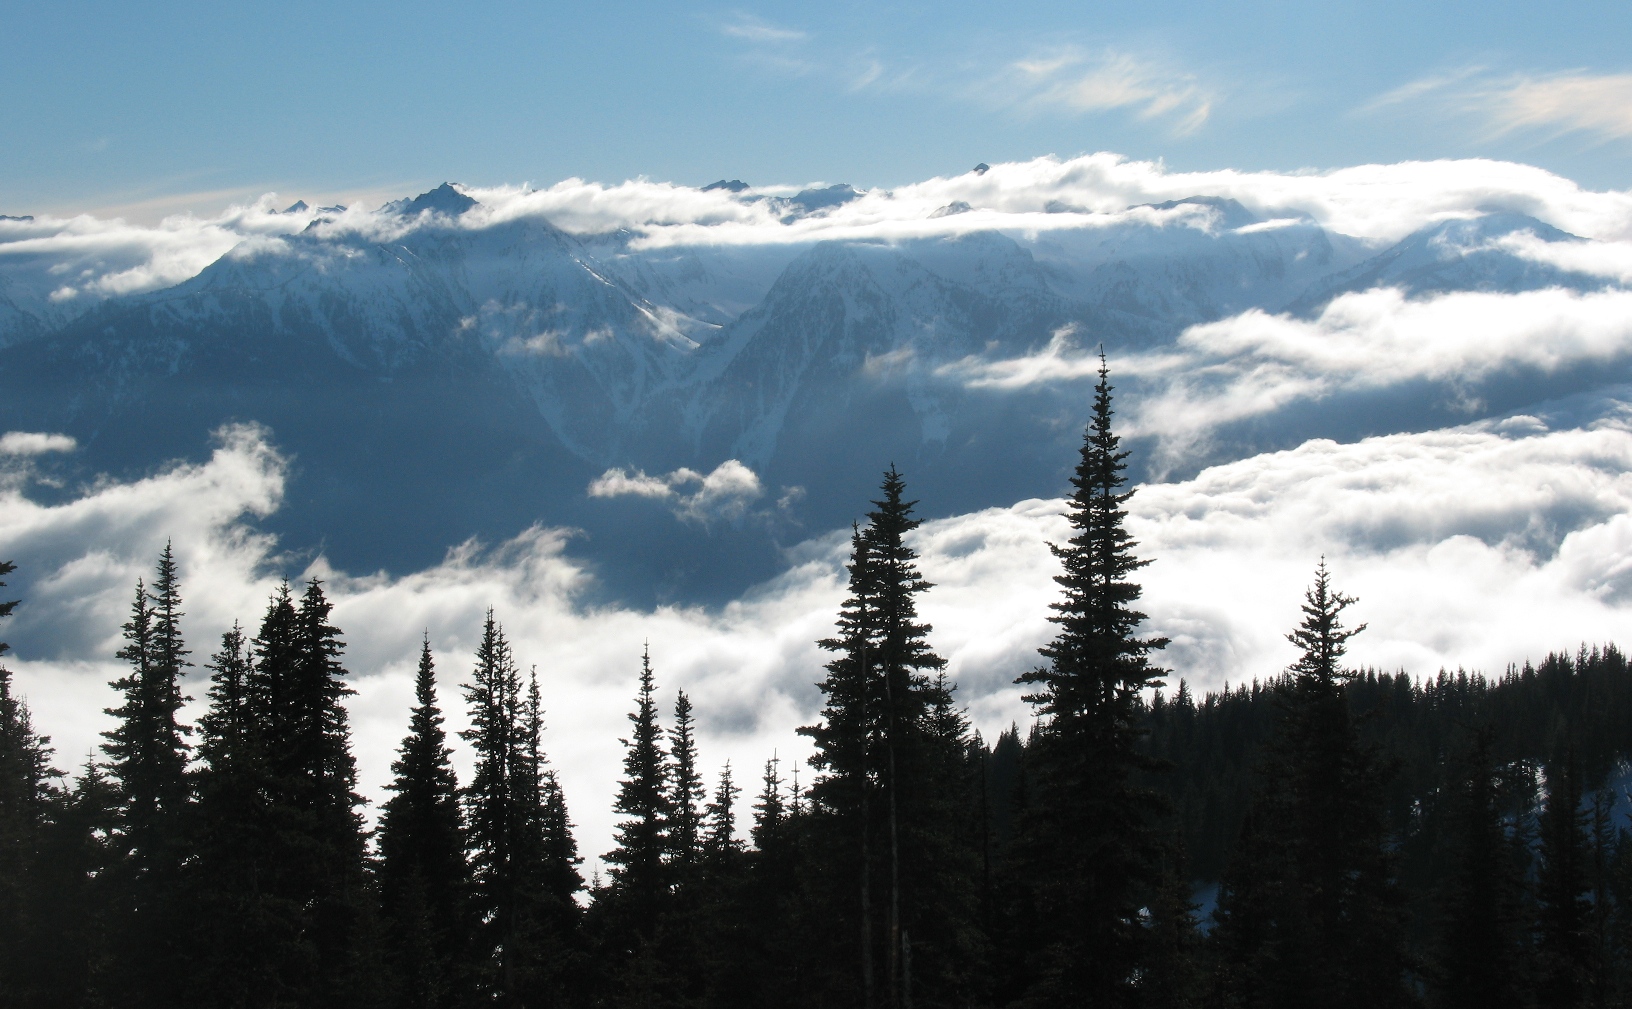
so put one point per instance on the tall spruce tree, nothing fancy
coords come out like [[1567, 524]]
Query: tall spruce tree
[[1093, 845], [637, 897], [562, 880], [423, 879], [683, 929], [324, 778], [639, 877], [1311, 901], [846, 758], [241, 924], [891, 861], [282, 856], [546, 868], [720, 843], [494, 698], [147, 760], [685, 793]]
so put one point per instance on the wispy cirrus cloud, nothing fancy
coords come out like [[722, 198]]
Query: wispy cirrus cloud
[[1548, 105], [1079, 81], [753, 29]]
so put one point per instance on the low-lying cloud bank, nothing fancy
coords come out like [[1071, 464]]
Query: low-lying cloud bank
[[1258, 364], [1473, 546], [69, 262]]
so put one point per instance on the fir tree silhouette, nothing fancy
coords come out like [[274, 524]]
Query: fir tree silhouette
[[1092, 843], [423, 878]]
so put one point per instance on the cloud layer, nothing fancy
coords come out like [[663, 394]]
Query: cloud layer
[[70, 262], [1474, 546]]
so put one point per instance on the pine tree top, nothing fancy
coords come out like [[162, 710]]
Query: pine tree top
[[1096, 660], [1321, 638]]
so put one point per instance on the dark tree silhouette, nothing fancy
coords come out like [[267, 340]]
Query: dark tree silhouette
[[424, 881], [1092, 844]]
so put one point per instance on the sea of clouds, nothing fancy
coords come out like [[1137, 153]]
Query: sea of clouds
[[87, 258], [1473, 546]]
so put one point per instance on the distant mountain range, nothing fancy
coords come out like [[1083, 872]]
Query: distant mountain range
[[433, 380]]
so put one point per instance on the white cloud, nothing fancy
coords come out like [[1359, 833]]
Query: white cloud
[[27, 443], [1062, 360], [1374, 202], [80, 260], [1470, 547], [1591, 103], [753, 29], [621, 483], [85, 258], [1549, 104], [725, 493], [1076, 81], [1610, 260], [1257, 363]]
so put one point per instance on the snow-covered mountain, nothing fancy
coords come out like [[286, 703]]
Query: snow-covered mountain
[[439, 370]]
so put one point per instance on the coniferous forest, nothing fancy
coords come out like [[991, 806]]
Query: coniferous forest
[[1325, 837]]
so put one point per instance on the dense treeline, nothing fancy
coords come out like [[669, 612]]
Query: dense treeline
[[1362, 838]]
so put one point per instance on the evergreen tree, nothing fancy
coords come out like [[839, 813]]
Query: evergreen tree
[[282, 860], [27, 799], [847, 761], [562, 880], [148, 758], [494, 699], [546, 869], [685, 792], [1564, 946], [6, 568], [720, 844], [324, 775], [243, 925], [423, 879], [1480, 900], [639, 877], [636, 899], [929, 935], [63, 952], [1092, 842], [892, 859], [1312, 904], [1172, 976], [522, 854], [682, 931]]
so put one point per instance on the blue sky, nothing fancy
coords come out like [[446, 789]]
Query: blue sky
[[155, 107]]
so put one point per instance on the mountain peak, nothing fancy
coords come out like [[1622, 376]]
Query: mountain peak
[[444, 199], [1231, 212], [294, 208], [819, 199], [734, 186]]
